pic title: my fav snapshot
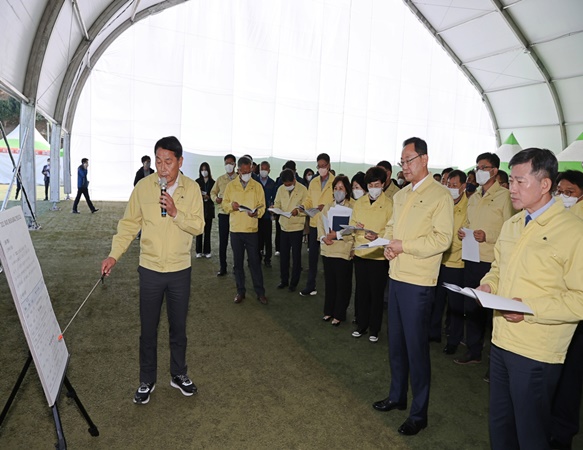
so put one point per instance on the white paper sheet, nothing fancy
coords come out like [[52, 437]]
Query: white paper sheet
[[280, 212], [470, 247], [246, 209], [310, 212], [378, 242], [490, 301]]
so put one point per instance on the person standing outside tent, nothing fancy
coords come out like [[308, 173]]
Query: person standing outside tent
[[83, 187], [165, 261], [145, 170], [47, 177]]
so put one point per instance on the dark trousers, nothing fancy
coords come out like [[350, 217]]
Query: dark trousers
[[338, 285], [455, 306], [223, 241], [408, 331], [313, 255], [203, 241], [277, 234], [521, 395], [265, 230], [567, 401], [371, 280], [153, 287], [291, 242], [239, 243], [85, 192], [47, 183], [476, 316]]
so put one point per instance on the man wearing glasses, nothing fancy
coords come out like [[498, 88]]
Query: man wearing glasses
[[420, 230], [488, 209]]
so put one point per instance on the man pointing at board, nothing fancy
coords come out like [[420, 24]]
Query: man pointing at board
[[168, 219]]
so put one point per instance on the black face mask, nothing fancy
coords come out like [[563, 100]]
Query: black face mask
[[471, 187]]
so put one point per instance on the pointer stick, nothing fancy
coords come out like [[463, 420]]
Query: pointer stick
[[60, 338]]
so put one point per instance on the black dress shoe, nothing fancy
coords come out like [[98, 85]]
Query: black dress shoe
[[281, 285], [410, 428], [387, 405], [221, 273], [239, 298], [262, 299], [450, 349]]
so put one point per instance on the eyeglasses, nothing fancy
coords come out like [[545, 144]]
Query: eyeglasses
[[483, 167], [408, 161]]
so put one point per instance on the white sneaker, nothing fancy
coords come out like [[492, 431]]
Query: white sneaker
[[199, 255], [373, 338], [357, 333], [276, 253], [207, 256]]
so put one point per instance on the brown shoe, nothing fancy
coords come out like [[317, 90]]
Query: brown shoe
[[239, 298], [262, 300]]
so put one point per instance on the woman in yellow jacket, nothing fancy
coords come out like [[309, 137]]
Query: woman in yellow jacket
[[336, 251], [371, 212]]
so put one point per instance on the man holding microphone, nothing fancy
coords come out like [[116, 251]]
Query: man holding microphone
[[168, 220]]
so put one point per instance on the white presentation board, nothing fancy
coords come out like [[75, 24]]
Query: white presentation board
[[32, 301]]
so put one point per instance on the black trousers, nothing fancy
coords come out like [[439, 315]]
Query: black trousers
[[371, 281], [47, 183], [521, 395], [476, 316], [203, 241], [153, 286], [239, 243], [223, 241], [85, 192], [291, 242], [408, 331], [455, 306], [338, 285], [313, 255], [567, 401], [265, 230]]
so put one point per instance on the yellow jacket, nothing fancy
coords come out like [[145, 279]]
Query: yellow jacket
[[219, 187], [166, 241], [252, 197], [341, 248], [542, 264], [318, 196], [288, 201], [391, 190], [488, 213], [453, 256], [373, 217], [423, 220], [577, 209]]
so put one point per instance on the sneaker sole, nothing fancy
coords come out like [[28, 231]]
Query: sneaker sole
[[187, 394], [147, 400]]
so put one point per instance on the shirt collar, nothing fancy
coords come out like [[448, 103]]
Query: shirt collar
[[541, 210], [414, 188]]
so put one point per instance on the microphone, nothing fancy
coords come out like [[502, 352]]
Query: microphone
[[163, 183]]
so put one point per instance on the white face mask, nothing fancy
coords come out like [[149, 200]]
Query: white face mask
[[323, 171], [204, 173], [290, 187], [400, 181], [229, 168], [374, 193], [357, 193], [309, 178], [569, 202], [245, 177], [339, 196], [482, 177], [455, 192], [263, 173]]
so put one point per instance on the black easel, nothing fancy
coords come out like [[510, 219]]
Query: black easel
[[61, 443]]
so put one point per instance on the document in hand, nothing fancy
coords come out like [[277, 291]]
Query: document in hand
[[378, 242], [337, 216], [243, 208], [490, 301], [351, 228], [310, 212], [470, 247], [280, 212]]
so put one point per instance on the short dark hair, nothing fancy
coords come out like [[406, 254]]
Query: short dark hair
[[458, 173], [446, 170], [359, 178], [492, 158], [287, 175], [243, 161], [145, 158], [345, 181], [265, 162], [544, 163], [375, 173], [420, 145], [170, 143], [290, 165], [471, 172], [572, 176], [504, 176], [229, 156], [385, 165], [323, 156], [84, 160]]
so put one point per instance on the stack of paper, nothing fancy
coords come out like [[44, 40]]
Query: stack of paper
[[490, 301], [243, 208], [378, 242]]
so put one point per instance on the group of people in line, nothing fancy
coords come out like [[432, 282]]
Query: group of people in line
[[529, 231]]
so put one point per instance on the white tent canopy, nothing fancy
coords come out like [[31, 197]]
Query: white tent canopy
[[508, 149]]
